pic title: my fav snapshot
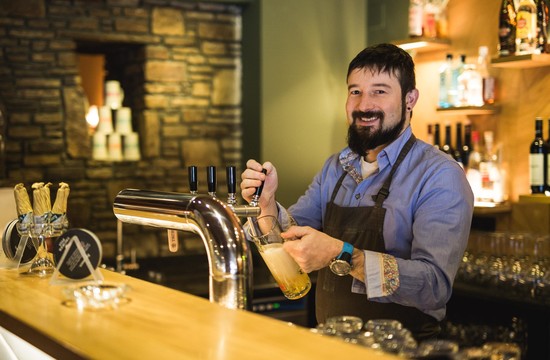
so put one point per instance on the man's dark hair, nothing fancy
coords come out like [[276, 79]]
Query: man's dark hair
[[387, 58]]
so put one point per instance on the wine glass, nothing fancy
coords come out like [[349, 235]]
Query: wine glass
[[38, 231]]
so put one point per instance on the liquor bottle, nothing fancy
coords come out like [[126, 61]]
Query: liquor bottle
[[536, 160], [507, 29], [467, 147], [416, 14], [429, 23], [473, 173], [457, 152], [445, 78], [542, 25], [437, 137], [492, 188], [526, 27], [454, 89], [488, 81], [447, 147]]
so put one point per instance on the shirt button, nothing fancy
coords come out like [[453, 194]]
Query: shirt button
[[357, 196]]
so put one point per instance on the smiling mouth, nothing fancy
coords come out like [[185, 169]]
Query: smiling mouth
[[367, 120]]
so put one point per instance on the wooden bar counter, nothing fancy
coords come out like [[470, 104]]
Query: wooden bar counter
[[157, 323]]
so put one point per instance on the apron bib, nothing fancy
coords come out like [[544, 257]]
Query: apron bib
[[363, 228]]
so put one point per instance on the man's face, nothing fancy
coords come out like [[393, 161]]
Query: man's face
[[376, 110]]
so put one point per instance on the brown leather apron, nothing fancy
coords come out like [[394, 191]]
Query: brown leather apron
[[363, 228]]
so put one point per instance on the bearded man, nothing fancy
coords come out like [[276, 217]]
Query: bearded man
[[386, 221]]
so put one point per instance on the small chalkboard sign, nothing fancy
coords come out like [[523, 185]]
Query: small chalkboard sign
[[77, 253]]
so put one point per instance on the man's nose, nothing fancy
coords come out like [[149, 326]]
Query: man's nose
[[365, 103]]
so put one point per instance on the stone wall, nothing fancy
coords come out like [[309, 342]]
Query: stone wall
[[185, 79]]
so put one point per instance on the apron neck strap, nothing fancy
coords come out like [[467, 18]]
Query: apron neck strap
[[385, 189]]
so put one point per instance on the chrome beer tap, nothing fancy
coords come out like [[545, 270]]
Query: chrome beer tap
[[193, 181], [231, 177], [229, 258], [211, 180]]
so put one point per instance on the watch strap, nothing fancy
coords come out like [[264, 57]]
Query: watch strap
[[347, 251]]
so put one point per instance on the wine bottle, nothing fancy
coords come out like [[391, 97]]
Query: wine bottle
[[447, 148], [437, 137], [467, 147], [536, 160], [526, 27], [457, 153], [507, 29]]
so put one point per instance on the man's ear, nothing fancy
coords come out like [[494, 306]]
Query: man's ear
[[411, 98]]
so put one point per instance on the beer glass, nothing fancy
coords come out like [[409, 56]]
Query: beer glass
[[265, 231]]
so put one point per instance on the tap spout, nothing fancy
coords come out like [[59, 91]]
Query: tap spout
[[229, 259]]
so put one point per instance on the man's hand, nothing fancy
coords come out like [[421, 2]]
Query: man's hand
[[252, 178], [312, 249]]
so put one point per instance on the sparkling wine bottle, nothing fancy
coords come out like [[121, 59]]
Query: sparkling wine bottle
[[536, 160]]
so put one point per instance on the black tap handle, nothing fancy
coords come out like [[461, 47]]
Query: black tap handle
[[193, 181], [231, 179], [261, 187], [211, 178]]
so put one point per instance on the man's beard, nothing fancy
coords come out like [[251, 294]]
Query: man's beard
[[361, 139]]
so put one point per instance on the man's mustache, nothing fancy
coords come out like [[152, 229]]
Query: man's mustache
[[357, 115]]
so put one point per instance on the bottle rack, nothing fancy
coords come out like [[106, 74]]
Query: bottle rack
[[469, 110], [422, 44], [521, 61]]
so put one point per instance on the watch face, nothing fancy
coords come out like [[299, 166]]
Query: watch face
[[340, 267]]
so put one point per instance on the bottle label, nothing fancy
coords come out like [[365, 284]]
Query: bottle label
[[526, 25], [536, 169]]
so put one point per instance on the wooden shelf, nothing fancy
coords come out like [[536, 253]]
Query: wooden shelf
[[470, 110], [521, 61], [423, 44]]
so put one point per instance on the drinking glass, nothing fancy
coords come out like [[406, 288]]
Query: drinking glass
[[265, 231], [345, 327], [437, 348], [503, 350], [473, 353]]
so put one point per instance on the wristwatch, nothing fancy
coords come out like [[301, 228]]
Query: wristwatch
[[341, 265]]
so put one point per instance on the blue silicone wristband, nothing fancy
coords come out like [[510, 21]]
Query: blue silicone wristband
[[347, 248]]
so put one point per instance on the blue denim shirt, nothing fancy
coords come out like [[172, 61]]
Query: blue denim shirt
[[427, 224]]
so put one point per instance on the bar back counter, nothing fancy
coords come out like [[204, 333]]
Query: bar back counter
[[155, 323]]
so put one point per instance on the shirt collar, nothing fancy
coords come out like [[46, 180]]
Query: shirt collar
[[351, 163]]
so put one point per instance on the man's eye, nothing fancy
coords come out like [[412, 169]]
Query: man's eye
[[379, 92], [354, 92]]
